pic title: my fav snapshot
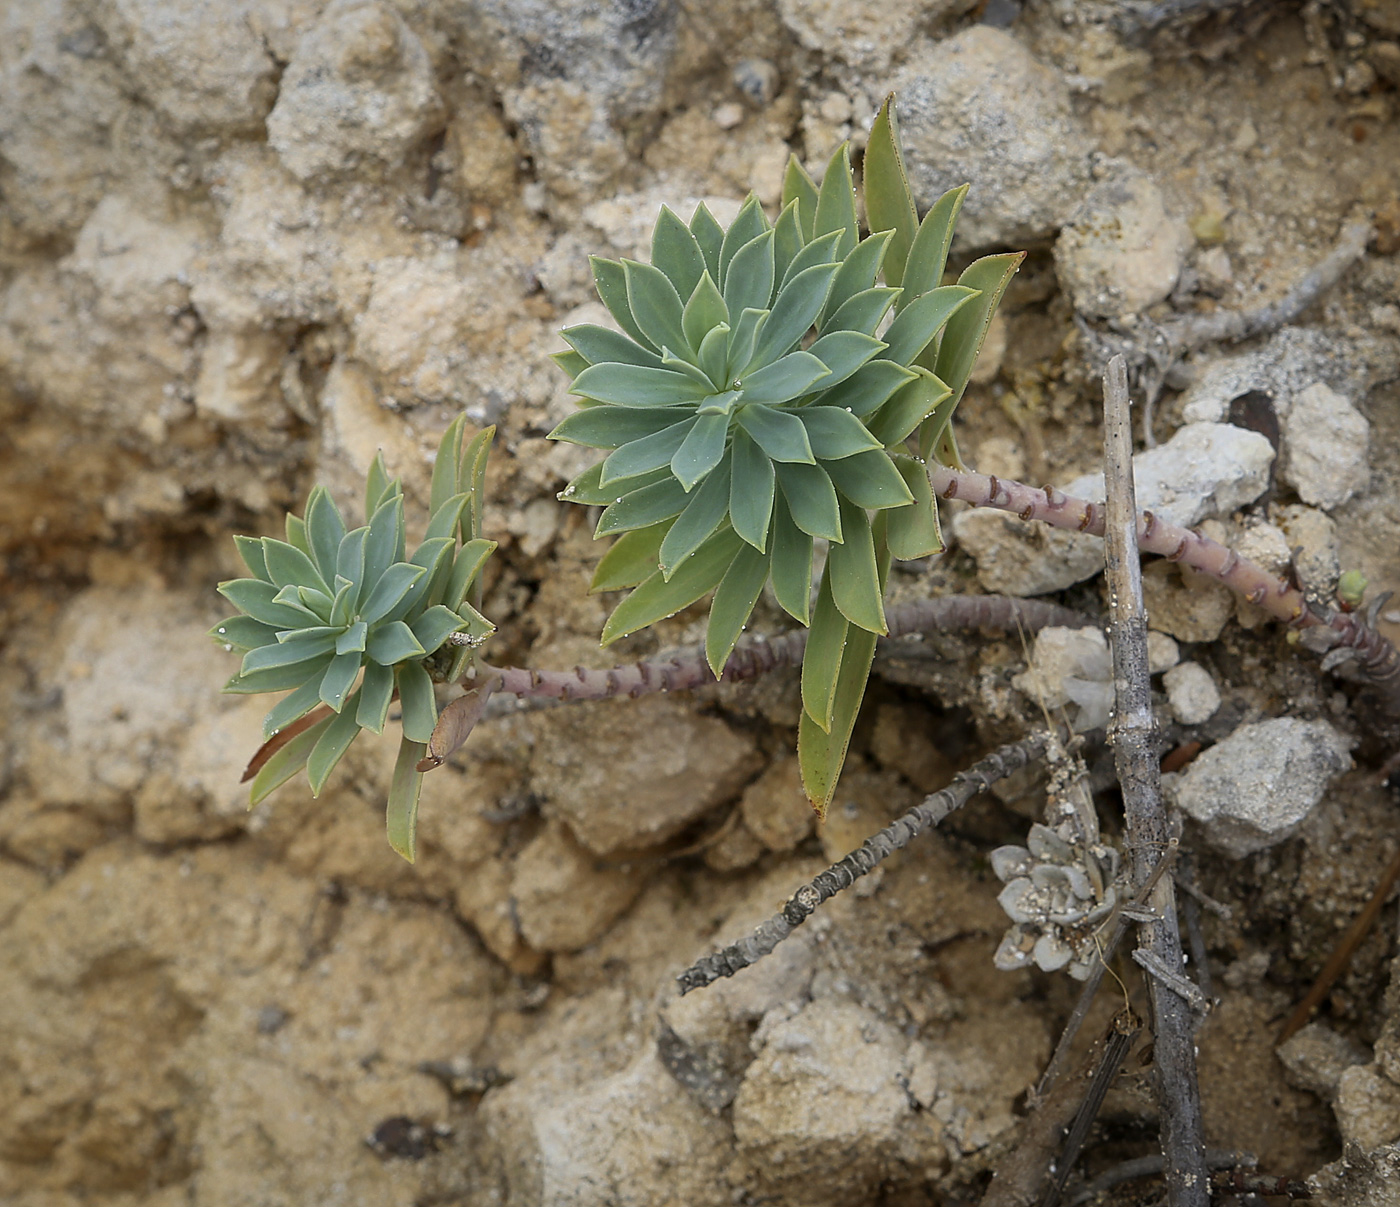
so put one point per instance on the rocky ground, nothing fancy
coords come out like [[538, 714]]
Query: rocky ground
[[244, 245]]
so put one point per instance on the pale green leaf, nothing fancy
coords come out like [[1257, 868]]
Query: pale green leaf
[[733, 604], [643, 508], [778, 433], [324, 530], [697, 523], [258, 600], [788, 240], [794, 311], [250, 549], [800, 188], [376, 691], [466, 565], [750, 490], [280, 678], [785, 379], [289, 566], [889, 203], [749, 282], [917, 323], [292, 708], [858, 271], [835, 433], [704, 311], [296, 534], [243, 633], [637, 386], [339, 679], [852, 571], [392, 643], [416, 697], [401, 815], [928, 257], [791, 564], [843, 352], [675, 252], [709, 237], [743, 342], [912, 531], [332, 744], [392, 586], [352, 640], [713, 355], [909, 407], [612, 427], [601, 345], [647, 453], [287, 653], [863, 312], [611, 281], [748, 224], [821, 753], [811, 499], [587, 488], [286, 762], [657, 598], [701, 449], [383, 542], [377, 484], [632, 558], [821, 661], [869, 480], [444, 482], [817, 252], [434, 627], [836, 202]]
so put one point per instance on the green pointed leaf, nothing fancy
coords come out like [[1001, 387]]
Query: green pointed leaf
[[292, 708], [863, 312], [296, 534], [401, 816], [637, 386], [601, 345], [471, 473], [835, 433], [376, 692], [286, 762], [743, 342], [686, 369], [676, 253], [713, 356], [869, 480], [843, 352], [912, 531], [750, 490], [287, 653], [821, 661], [778, 433], [343, 604], [331, 745], [392, 643], [788, 240], [416, 696], [822, 753], [392, 586], [350, 561], [836, 202], [587, 488], [657, 598], [794, 311], [854, 576], [928, 257], [317, 602], [697, 523], [382, 542], [467, 565], [611, 281], [908, 408], [817, 252], [250, 549], [749, 283], [289, 566], [352, 640], [632, 558], [858, 271], [278, 679], [570, 362], [791, 564], [789, 378], [799, 187], [868, 388], [967, 329], [377, 484], [434, 627], [243, 633], [643, 508], [646, 454], [612, 427], [444, 482], [701, 450], [709, 237], [811, 499], [889, 203], [733, 604], [339, 679], [748, 224], [917, 323], [324, 530], [704, 311]]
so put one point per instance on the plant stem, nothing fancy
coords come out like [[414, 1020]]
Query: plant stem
[[1377, 658], [933, 809], [1132, 733]]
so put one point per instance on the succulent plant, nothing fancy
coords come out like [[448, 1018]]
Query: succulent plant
[[767, 391], [346, 622]]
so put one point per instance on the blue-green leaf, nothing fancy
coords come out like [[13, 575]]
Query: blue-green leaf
[[613, 427], [709, 237], [243, 633], [331, 745], [704, 310], [292, 708], [324, 530], [821, 753], [791, 564], [352, 640], [835, 433], [401, 815], [863, 312], [748, 224], [611, 281], [658, 597], [701, 450], [811, 499], [392, 586], [643, 508], [376, 692], [843, 352], [889, 204], [676, 253], [289, 566], [821, 661], [467, 565], [587, 488], [250, 549], [749, 283], [743, 341], [912, 531], [278, 679], [836, 202], [858, 271], [750, 490], [296, 534], [445, 519], [601, 345], [444, 481], [697, 523], [800, 188], [570, 363], [286, 762], [350, 561], [734, 601], [928, 255], [632, 558], [918, 322], [788, 240], [416, 696], [339, 679], [817, 252], [287, 653], [393, 642], [869, 480], [637, 386], [778, 433], [794, 311], [382, 542], [713, 356], [377, 484], [853, 573], [646, 454], [909, 407], [868, 388], [785, 379], [434, 627]]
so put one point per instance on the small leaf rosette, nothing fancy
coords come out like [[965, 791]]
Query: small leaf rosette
[[346, 621]]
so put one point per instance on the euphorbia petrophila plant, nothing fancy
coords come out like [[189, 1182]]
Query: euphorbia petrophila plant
[[756, 404]]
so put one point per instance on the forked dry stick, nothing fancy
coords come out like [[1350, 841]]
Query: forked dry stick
[[1132, 732]]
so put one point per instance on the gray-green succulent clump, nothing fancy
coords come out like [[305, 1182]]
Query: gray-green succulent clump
[[774, 385], [347, 621]]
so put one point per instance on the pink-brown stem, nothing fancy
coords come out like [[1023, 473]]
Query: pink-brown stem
[[1376, 656]]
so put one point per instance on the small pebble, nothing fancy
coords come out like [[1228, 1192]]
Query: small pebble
[[1192, 693], [729, 115]]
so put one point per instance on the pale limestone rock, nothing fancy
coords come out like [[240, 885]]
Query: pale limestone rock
[[1070, 665], [863, 35], [1368, 1107], [1162, 652], [1316, 1057], [1256, 787], [1192, 693], [1121, 252], [1189, 606], [1326, 444], [775, 807], [238, 378], [979, 107]]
